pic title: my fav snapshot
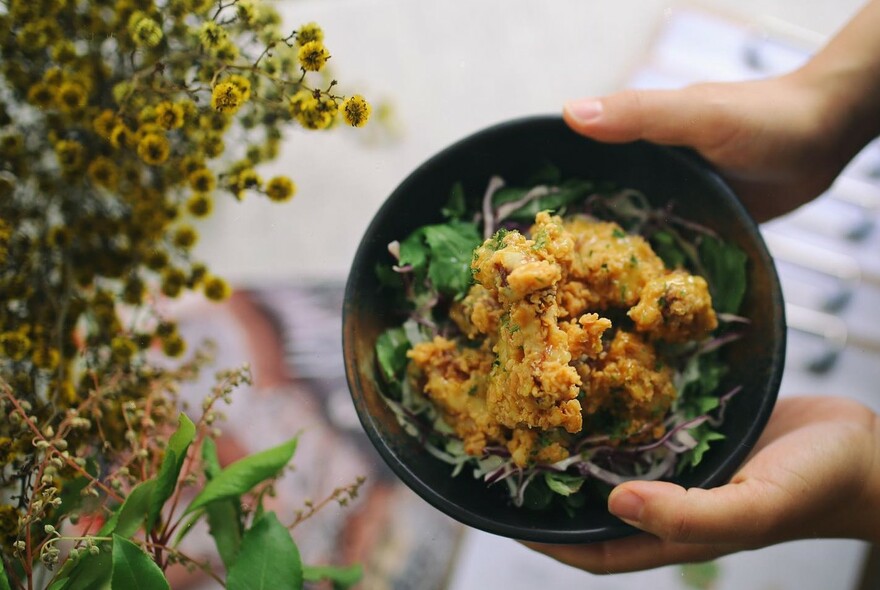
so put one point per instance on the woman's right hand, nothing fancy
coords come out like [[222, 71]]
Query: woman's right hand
[[772, 139]]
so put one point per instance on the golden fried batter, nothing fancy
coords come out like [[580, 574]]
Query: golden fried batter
[[478, 314], [632, 386], [609, 267], [675, 307], [526, 446], [455, 380], [533, 384]]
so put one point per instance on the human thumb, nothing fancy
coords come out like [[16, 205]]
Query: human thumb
[[734, 513], [674, 117]]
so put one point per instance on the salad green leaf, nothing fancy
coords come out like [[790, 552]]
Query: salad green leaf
[[704, 435], [391, 347], [456, 207], [725, 266], [563, 484], [451, 251], [665, 246], [567, 193], [442, 252]]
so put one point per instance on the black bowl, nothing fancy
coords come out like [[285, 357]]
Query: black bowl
[[514, 150]]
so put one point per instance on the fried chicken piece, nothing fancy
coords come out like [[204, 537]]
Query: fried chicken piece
[[608, 268], [585, 335], [675, 307], [511, 266], [526, 446], [478, 314], [632, 386], [531, 383], [454, 378]]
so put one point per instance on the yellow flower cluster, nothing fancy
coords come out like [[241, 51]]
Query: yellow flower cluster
[[115, 118]]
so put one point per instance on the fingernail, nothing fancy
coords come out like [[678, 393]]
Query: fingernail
[[626, 505], [584, 110]]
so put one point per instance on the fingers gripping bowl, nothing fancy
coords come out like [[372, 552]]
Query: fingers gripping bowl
[[683, 210]]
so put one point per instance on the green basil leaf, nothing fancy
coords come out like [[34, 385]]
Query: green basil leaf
[[133, 569], [241, 476], [268, 560]]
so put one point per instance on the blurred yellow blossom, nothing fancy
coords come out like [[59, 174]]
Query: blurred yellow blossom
[[312, 56], [309, 32], [280, 188], [154, 149], [226, 97], [356, 111]]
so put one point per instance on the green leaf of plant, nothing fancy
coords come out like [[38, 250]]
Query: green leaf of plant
[[700, 576], [704, 435], [725, 265], [391, 347], [668, 250], [224, 516], [4, 581], [90, 572], [70, 495], [537, 495], [268, 560], [241, 476], [210, 459], [340, 577], [387, 276], [132, 514], [175, 454], [563, 483], [565, 194], [133, 569], [546, 173], [451, 246], [414, 252], [455, 208]]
